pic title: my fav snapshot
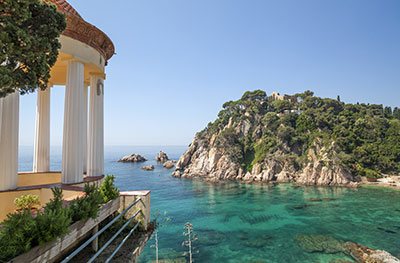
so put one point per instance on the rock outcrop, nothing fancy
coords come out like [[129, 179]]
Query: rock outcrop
[[162, 157], [133, 158], [245, 145], [169, 164], [148, 167], [320, 167], [365, 254]]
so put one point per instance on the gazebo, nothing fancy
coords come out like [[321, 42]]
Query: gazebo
[[81, 68]]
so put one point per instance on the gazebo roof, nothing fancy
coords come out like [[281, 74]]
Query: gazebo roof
[[79, 29]]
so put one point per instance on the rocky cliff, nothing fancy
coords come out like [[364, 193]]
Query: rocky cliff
[[300, 138]]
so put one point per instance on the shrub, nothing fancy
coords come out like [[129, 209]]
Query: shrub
[[87, 206], [57, 201], [54, 221], [27, 202], [52, 224], [108, 190], [369, 173], [16, 235]]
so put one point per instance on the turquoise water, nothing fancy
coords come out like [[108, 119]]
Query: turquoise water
[[252, 223]]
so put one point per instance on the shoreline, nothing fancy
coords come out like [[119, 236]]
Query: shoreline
[[362, 184]]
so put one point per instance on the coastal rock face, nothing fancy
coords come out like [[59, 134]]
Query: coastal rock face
[[133, 158], [214, 164], [244, 145], [162, 157]]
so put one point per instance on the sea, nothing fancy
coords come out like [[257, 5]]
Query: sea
[[238, 222]]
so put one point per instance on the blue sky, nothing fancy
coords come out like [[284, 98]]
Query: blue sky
[[178, 61]]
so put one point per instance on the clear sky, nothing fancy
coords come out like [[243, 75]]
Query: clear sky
[[178, 61]]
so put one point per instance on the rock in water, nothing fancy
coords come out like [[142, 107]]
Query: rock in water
[[253, 140], [162, 157], [148, 167], [319, 243], [169, 164], [133, 158], [330, 245], [365, 254]]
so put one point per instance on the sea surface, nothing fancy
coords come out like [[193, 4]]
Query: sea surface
[[237, 222]]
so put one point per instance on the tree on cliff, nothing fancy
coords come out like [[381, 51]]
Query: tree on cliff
[[29, 32], [365, 138]]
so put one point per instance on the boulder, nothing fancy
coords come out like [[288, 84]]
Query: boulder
[[148, 167], [365, 254], [133, 158], [162, 157], [169, 164], [330, 245]]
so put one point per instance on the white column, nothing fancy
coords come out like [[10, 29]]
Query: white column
[[9, 112], [41, 154], [95, 165], [84, 126], [72, 160]]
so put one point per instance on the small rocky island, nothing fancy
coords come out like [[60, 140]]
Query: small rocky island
[[296, 138], [162, 157], [133, 158], [148, 167]]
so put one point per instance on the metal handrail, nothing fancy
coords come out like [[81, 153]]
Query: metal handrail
[[112, 238], [81, 247], [122, 242]]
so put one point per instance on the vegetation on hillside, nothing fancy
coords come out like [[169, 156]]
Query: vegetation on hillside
[[365, 138]]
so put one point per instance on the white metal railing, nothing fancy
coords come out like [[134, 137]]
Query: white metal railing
[[84, 245]]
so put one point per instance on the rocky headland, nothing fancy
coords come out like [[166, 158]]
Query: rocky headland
[[294, 138]]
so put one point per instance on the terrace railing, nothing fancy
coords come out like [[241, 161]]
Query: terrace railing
[[109, 241]]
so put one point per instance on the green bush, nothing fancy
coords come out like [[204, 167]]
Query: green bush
[[54, 221], [16, 235], [108, 190], [21, 230], [27, 202], [87, 206], [369, 173], [52, 224]]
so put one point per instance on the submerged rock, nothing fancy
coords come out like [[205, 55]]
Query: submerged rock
[[319, 243], [330, 245], [258, 242], [210, 237], [133, 158], [162, 157], [148, 167]]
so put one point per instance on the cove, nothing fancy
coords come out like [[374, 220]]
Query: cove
[[249, 222], [260, 223]]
